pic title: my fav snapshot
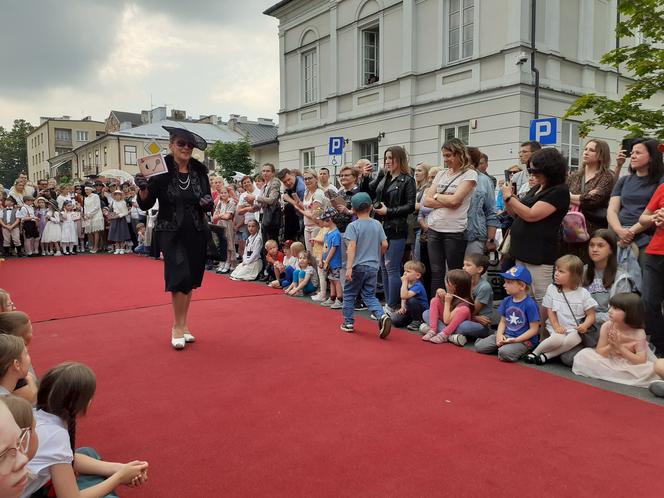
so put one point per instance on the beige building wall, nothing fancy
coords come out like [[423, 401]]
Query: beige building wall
[[55, 137]]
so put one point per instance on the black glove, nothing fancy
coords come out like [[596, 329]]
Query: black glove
[[140, 181], [206, 202]]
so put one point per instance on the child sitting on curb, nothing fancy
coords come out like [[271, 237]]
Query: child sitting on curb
[[518, 330], [414, 300]]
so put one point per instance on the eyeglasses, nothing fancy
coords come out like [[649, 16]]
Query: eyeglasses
[[308, 178], [182, 144], [8, 456]]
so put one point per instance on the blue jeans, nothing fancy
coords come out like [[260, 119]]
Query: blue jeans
[[363, 284], [299, 275], [390, 266], [473, 330]]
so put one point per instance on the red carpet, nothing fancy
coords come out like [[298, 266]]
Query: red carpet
[[98, 284], [273, 400]]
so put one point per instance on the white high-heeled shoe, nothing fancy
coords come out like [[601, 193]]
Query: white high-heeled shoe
[[188, 337]]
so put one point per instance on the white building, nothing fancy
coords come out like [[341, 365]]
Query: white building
[[417, 72]]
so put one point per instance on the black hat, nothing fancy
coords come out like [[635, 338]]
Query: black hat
[[191, 137]]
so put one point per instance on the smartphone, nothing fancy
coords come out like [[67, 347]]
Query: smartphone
[[513, 188], [627, 145]]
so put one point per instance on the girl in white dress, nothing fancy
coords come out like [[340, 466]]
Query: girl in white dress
[[93, 218], [52, 231], [69, 237], [622, 354]]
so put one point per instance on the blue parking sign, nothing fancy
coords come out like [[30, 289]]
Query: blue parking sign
[[544, 130], [336, 146]]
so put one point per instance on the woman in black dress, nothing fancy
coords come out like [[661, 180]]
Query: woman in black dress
[[181, 229]]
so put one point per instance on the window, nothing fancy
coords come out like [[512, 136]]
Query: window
[[309, 75], [82, 136], [370, 52], [130, 154], [63, 135], [460, 30], [456, 131], [570, 143], [369, 150], [308, 158]]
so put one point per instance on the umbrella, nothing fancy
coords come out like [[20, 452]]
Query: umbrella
[[117, 173]]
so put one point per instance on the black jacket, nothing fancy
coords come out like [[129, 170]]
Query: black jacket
[[165, 189], [398, 195]]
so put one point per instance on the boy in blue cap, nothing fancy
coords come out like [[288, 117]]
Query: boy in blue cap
[[366, 243], [518, 330]]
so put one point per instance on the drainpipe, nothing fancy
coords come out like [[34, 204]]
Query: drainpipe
[[533, 69]]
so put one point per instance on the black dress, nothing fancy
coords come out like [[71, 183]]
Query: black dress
[[181, 228]]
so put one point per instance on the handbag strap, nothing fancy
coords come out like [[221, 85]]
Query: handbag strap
[[451, 182], [560, 289]]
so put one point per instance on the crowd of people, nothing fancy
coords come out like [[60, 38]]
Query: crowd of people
[[581, 256], [48, 219]]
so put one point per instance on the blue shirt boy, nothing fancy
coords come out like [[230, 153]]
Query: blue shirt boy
[[518, 316], [333, 239]]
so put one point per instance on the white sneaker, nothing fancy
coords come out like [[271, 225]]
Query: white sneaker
[[58, 253], [121, 251], [424, 328], [327, 303], [318, 298], [336, 305], [117, 251]]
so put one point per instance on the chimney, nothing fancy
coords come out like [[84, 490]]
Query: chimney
[[265, 121], [242, 119]]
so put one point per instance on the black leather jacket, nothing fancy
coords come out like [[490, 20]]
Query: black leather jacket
[[398, 195], [165, 189]]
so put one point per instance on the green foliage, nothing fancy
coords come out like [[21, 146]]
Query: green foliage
[[232, 157], [644, 63], [14, 151]]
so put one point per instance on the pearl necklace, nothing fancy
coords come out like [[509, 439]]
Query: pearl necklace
[[184, 185]]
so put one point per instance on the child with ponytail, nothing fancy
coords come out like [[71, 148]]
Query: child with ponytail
[[58, 469]]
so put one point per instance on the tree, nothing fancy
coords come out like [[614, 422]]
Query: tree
[[644, 63], [232, 157], [14, 151]]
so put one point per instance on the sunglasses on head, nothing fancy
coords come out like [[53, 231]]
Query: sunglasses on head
[[183, 143]]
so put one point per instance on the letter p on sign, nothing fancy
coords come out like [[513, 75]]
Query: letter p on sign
[[336, 146], [544, 130]]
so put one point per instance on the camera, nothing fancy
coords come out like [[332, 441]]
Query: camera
[[377, 205], [521, 58]]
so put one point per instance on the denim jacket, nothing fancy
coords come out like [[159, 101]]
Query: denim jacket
[[482, 210]]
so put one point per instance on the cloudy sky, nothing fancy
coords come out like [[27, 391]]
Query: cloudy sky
[[86, 57]]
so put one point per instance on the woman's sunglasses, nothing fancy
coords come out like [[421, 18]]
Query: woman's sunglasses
[[182, 144]]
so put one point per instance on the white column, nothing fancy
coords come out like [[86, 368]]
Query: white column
[[282, 71], [408, 35], [334, 58], [586, 30], [552, 25]]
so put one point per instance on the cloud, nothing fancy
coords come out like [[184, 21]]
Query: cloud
[[203, 56], [55, 47]]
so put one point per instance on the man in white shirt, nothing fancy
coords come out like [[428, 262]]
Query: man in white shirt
[[324, 182], [526, 150]]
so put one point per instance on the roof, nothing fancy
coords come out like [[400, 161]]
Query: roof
[[276, 7], [128, 117], [259, 133], [210, 133]]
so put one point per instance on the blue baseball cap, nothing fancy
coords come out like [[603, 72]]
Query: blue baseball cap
[[518, 273], [361, 200]]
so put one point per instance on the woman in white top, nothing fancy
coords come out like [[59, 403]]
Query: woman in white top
[[94, 218], [313, 204], [449, 197]]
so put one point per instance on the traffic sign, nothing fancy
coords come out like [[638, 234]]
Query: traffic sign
[[152, 148], [336, 146], [544, 130]]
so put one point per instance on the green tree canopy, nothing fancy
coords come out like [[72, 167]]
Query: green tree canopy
[[643, 19], [14, 151], [233, 157]]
